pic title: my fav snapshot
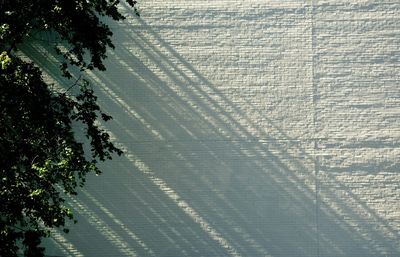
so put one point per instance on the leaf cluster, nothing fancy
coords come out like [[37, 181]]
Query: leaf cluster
[[41, 158], [77, 23]]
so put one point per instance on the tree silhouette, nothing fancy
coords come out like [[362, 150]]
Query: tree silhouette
[[42, 159]]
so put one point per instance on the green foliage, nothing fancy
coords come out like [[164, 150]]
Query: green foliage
[[41, 159]]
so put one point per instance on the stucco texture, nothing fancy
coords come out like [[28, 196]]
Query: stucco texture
[[250, 128]]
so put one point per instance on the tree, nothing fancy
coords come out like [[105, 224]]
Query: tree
[[41, 158]]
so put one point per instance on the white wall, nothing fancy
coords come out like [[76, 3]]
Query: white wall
[[251, 128]]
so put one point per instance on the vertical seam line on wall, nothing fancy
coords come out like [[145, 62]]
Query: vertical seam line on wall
[[315, 145]]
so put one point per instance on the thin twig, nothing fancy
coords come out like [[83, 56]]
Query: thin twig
[[75, 83]]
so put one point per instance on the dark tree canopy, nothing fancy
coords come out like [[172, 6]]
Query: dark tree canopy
[[42, 159]]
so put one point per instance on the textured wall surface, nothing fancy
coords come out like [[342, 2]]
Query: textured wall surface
[[251, 128]]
